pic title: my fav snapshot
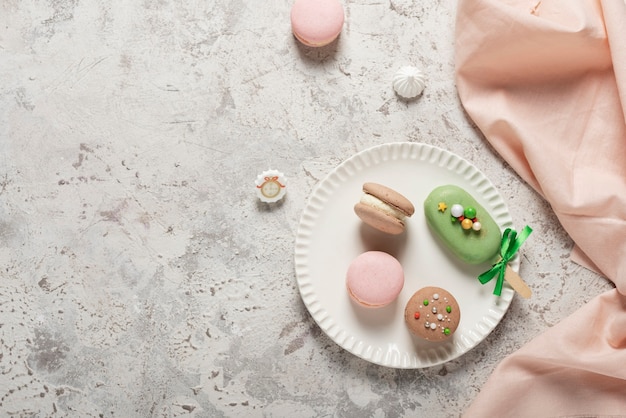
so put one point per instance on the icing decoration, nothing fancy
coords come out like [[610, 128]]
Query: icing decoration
[[466, 216], [271, 186], [509, 245]]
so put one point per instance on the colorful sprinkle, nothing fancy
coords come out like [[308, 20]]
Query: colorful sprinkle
[[456, 210], [469, 212], [442, 206], [416, 315], [425, 302], [466, 216], [446, 331], [448, 308]]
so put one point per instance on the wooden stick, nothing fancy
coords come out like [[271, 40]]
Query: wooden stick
[[517, 283]]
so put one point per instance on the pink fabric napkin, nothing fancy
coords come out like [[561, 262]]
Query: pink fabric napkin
[[545, 81]]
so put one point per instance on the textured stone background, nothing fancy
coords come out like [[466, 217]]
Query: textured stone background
[[140, 275]]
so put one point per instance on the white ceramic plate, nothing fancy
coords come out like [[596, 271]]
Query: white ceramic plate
[[330, 236]]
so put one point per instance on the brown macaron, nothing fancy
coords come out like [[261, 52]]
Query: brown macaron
[[383, 208], [432, 313]]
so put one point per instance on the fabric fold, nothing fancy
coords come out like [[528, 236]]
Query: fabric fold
[[573, 369], [545, 81]]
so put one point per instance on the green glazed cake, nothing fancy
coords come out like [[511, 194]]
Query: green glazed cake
[[462, 224]]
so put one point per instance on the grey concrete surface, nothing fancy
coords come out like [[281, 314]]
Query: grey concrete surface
[[141, 276]]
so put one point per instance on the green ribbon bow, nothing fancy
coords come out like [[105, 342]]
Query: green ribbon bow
[[509, 245]]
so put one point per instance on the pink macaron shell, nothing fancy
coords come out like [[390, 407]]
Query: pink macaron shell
[[374, 279], [316, 22]]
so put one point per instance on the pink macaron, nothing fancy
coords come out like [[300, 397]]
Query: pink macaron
[[374, 279], [316, 22]]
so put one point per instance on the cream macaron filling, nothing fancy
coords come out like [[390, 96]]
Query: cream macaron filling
[[376, 203]]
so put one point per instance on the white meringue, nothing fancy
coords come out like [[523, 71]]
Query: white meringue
[[409, 82]]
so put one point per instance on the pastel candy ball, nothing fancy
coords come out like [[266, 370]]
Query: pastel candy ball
[[456, 210], [470, 212]]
